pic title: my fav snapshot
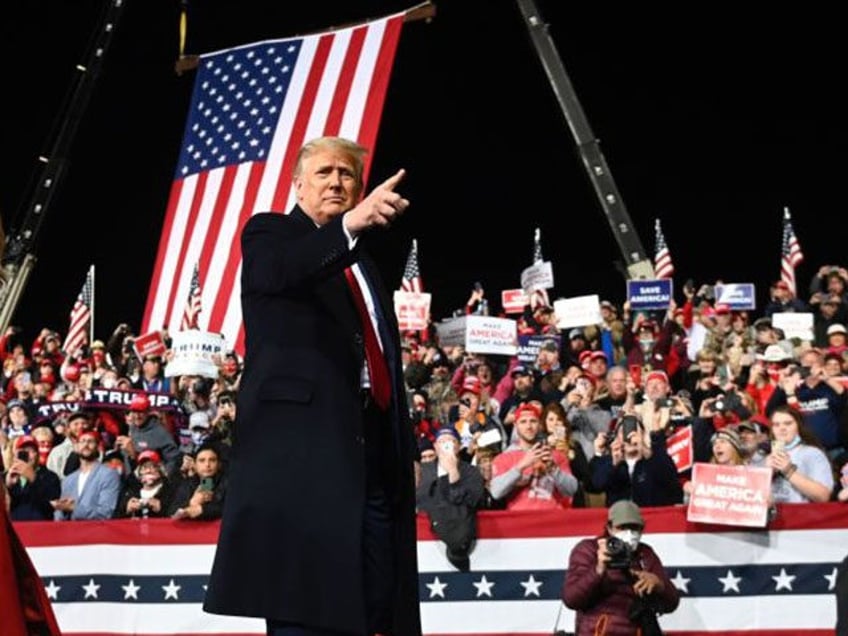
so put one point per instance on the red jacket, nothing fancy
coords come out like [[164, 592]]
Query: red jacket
[[602, 602]]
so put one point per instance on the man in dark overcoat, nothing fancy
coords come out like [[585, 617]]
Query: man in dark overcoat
[[318, 532]]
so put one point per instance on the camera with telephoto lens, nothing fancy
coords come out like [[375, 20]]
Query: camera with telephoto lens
[[620, 554]]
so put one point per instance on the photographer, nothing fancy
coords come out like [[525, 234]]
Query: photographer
[[31, 486], [616, 583]]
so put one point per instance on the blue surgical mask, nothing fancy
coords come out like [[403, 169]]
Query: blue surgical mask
[[792, 443]]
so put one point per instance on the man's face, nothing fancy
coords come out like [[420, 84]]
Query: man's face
[[327, 185], [206, 464], [528, 427], [656, 388], [87, 448], [617, 383]]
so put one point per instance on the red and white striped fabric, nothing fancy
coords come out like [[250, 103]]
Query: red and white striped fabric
[[253, 107], [145, 577], [80, 322], [663, 265], [790, 253]]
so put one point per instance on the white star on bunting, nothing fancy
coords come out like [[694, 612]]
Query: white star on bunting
[[783, 581], [484, 587], [53, 589], [437, 588], [91, 589], [131, 590], [830, 578], [730, 582], [680, 582], [531, 586], [171, 590]]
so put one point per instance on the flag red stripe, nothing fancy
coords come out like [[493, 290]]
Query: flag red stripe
[[225, 290], [298, 133], [194, 210], [379, 84], [345, 80], [170, 215]]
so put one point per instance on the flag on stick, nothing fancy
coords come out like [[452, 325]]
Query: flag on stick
[[253, 107], [538, 297], [191, 314], [663, 266], [791, 255], [411, 280], [80, 325]]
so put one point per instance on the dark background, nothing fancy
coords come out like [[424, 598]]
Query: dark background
[[711, 122]]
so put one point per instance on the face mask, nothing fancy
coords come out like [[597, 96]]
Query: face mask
[[793, 443], [630, 537], [646, 344]]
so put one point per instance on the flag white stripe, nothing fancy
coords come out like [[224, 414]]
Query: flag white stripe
[[150, 618], [361, 85]]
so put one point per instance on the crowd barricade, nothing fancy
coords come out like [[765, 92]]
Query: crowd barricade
[[148, 576]]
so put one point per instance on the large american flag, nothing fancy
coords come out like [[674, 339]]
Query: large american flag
[[790, 252], [80, 323], [663, 265], [411, 280], [149, 576], [253, 107], [194, 304]]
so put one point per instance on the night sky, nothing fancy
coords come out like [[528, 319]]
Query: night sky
[[711, 123]]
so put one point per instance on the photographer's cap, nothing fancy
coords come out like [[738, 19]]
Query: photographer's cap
[[625, 513]]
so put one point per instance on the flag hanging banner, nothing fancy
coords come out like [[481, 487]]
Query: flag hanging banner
[[80, 323], [663, 265], [790, 253], [126, 577], [252, 109]]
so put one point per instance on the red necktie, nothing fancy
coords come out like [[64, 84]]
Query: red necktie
[[378, 371]]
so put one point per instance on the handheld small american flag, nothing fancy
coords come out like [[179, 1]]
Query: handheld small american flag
[[790, 255], [537, 247], [411, 281], [191, 314], [80, 325], [253, 107], [538, 297], [663, 266]]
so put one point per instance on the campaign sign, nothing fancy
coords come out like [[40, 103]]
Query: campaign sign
[[194, 353], [412, 310], [578, 311], [529, 345], [737, 296], [514, 301], [679, 447], [730, 495], [480, 334], [794, 324], [537, 276], [149, 344], [650, 294]]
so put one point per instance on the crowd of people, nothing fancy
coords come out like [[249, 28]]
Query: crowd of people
[[100, 434], [584, 424]]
